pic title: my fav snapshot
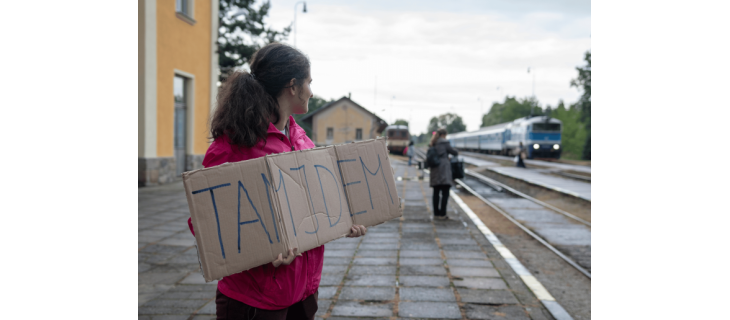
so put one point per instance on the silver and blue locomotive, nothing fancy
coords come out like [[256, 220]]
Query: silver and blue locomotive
[[540, 136]]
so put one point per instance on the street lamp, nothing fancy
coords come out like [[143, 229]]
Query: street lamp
[[304, 10]]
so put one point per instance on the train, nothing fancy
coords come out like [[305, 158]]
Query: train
[[540, 136], [397, 138]]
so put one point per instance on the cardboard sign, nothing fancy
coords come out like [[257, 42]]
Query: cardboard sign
[[246, 213]]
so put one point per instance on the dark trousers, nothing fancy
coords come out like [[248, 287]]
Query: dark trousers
[[440, 210], [521, 163], [229, 309]]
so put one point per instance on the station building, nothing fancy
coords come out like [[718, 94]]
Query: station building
[[343, 121], [177, 82]]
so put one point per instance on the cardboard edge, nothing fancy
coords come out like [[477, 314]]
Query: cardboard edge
[[199, 241], [277, 205], [401, 202], [310, 206], [188, 196]]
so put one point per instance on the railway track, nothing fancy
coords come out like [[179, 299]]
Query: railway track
[[566, 167], [565, 234]]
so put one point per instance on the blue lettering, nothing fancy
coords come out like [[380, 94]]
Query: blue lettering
[[271, 208], [316, 168], [215, 209], [310, 198], [368, 184], [240, 186], [339, 168]]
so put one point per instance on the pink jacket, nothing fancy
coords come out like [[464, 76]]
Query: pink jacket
[[267, 287]]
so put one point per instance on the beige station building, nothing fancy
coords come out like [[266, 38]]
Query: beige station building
[[177, 76], [343, 121]]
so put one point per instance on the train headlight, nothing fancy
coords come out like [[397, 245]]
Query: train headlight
[[536, 146], [556, 146]]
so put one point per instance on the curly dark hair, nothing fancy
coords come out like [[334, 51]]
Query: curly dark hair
[[247, 102]]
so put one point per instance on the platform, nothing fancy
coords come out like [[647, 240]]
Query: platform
[[411, 267], [540, 177]]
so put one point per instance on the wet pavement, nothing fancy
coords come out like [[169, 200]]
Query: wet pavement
[[412, 267]]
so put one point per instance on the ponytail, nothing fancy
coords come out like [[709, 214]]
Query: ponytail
[[244, 110], [434, 137], [438, 133]]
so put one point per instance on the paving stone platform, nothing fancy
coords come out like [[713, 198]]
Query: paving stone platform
[[413, 267]]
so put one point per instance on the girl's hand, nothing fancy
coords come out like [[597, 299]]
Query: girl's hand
[[289, 258], [357, 231]]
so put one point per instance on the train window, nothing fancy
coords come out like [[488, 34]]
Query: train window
[[546, 127], [330, 133], [358, 134], [391, 133]]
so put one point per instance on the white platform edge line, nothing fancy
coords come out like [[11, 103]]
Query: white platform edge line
[[530, 281]]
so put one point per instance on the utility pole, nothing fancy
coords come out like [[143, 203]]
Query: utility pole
[[533, 88], [481, 110], [375, 91], [391, 110]]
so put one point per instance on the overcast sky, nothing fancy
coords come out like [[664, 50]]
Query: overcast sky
[[440, 56]]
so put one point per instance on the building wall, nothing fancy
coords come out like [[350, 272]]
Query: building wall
[[184, 47], [170, 45], [344, 118], [147, 79]]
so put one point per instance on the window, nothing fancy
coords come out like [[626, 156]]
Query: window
[[391, 133], [184, 10], [330, 133], [183, 7], [358, 134], [180, 123], [536, 127]]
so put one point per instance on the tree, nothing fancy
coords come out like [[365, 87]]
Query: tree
[[423, 138], [401, 122], [583, 83], [450, 121], [510, 110], [574, 133], [315, 103], [240, 37]]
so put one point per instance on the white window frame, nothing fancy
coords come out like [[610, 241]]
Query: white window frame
[[189, 16], [190, 111]]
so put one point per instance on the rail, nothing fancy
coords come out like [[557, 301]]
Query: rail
[[498, 186]]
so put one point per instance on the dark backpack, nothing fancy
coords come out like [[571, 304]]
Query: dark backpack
[[432, 158]]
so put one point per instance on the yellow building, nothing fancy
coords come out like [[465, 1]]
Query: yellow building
[[343, 121], [177, 76]]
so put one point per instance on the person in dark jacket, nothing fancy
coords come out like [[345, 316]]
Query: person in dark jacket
[[440, 179], [410, 153], [521, 155]]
